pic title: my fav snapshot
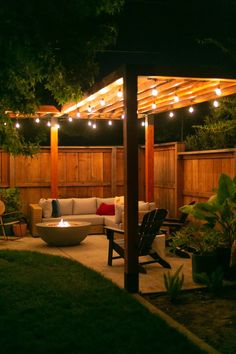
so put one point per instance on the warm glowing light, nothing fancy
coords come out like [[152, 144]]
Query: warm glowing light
[[57, 126], [102, 102], [119, 81], [17, 125], [49, 124], [216, 104], [94, 125], [119, 93], [143, 124], [110, 122], [89, 123], [154, 106], [176, 98], [63, 223], [5, 123], [154, 92], [78, 114], [191, 109], [123, 116], [171, 114], [218, 91], [37, 120], [89, 109]]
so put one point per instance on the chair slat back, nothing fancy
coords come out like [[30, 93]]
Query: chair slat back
[[149, 228]]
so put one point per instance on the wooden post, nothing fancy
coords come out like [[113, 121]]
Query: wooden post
[[149, 158], [54, 158], [131, 276]]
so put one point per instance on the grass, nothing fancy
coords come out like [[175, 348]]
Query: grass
[[50, 304]]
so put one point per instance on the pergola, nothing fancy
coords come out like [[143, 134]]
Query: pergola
[[131, 93]]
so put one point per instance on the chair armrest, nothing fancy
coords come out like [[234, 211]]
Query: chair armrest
[[110, 231], [36, 213]]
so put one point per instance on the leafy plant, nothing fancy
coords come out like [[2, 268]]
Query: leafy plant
[[173, 283], [196, 238], [219, 212], [11, 199], [213, 281]]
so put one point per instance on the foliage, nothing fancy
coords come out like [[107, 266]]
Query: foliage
[[11, 198], [214, 280], [196, 238], [218, 130], [219, 212], [173, 283]]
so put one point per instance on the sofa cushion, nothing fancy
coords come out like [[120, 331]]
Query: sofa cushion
[[105, 200], [56, 210], [120, 200], [109, 220], [106, 209], [142, 206], [84, 206], [66, 205], [46, 205]]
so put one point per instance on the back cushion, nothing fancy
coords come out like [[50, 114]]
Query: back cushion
[[66, 206], [84, 205], [105, 200], [46, 205]]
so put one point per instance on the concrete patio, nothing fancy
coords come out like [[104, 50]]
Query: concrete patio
[[92, 253]]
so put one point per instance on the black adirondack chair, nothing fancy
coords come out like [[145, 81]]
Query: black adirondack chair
[[148, 230]]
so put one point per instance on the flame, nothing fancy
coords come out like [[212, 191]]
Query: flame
[[63, 223]]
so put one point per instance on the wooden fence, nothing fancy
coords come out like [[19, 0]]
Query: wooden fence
[[179, 176]]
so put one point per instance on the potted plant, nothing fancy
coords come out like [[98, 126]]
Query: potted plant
[[202, 243], [219, 214]]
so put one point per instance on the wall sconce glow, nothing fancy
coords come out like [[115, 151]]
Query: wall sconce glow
[[49, 124], [176, 98], [154, 106], [110, 122], [89, 123], [70, 119], [78, 114], [17, 125], [37, 120], [171, 114], [102, 102], [89, 109], [216, 104], [119, 93], [218, 91], [94, 125], [154, 92], [191, 109]]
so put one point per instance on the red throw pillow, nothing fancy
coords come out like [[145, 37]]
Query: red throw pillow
[[106, 209]]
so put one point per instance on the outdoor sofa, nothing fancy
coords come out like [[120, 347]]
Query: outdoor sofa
[[99, 212]]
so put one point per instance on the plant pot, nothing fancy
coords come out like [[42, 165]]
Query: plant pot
[[207, 263], [20, 229], [224, 255]]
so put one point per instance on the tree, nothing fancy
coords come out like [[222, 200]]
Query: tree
[[218, 130], [48, 50]]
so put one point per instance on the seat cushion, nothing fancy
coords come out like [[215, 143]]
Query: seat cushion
[[66, 205]]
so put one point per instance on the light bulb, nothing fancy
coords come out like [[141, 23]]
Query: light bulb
[[216, 104], [176, 98], [89, 123], [143, 124], [171, 114], [57, 126], [78, 114], [94, 126], [70, 119], [218, 91], [123, 116], [154, 92], [17, 125], [191, 109], [110, 122], [154, 106], [102, 102], [5, 123], [37, 120], [49, 124], [89, 109], [119, 93]]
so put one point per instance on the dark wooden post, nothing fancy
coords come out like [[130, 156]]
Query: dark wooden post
[[131, 276], [54, 158], [149, 158], [113, 171]]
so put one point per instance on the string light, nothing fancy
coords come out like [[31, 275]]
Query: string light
[[110, 122], [57, 126], [191, 109], [176, 98], [143, 124], [17, 125], [171, 114], [123, 116], [89, 109], [49, 124], [78, 114], [37, 120], [102, 102], [89, 123], [218, 91], [154, 106], [94, 125], [154, 92], [5, 123], [216, 104], [70, 119], [119, 93]]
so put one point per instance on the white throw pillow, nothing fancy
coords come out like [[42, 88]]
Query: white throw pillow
[[105, 200], [46, 205], [120, 200], [66, 206], [85, 205]]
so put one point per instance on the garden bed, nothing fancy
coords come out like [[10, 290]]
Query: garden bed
[[212, 317]]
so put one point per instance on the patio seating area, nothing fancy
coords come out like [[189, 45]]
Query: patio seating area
[[92, 252]]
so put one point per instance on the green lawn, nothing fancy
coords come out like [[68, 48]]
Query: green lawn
[[51, 305]]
